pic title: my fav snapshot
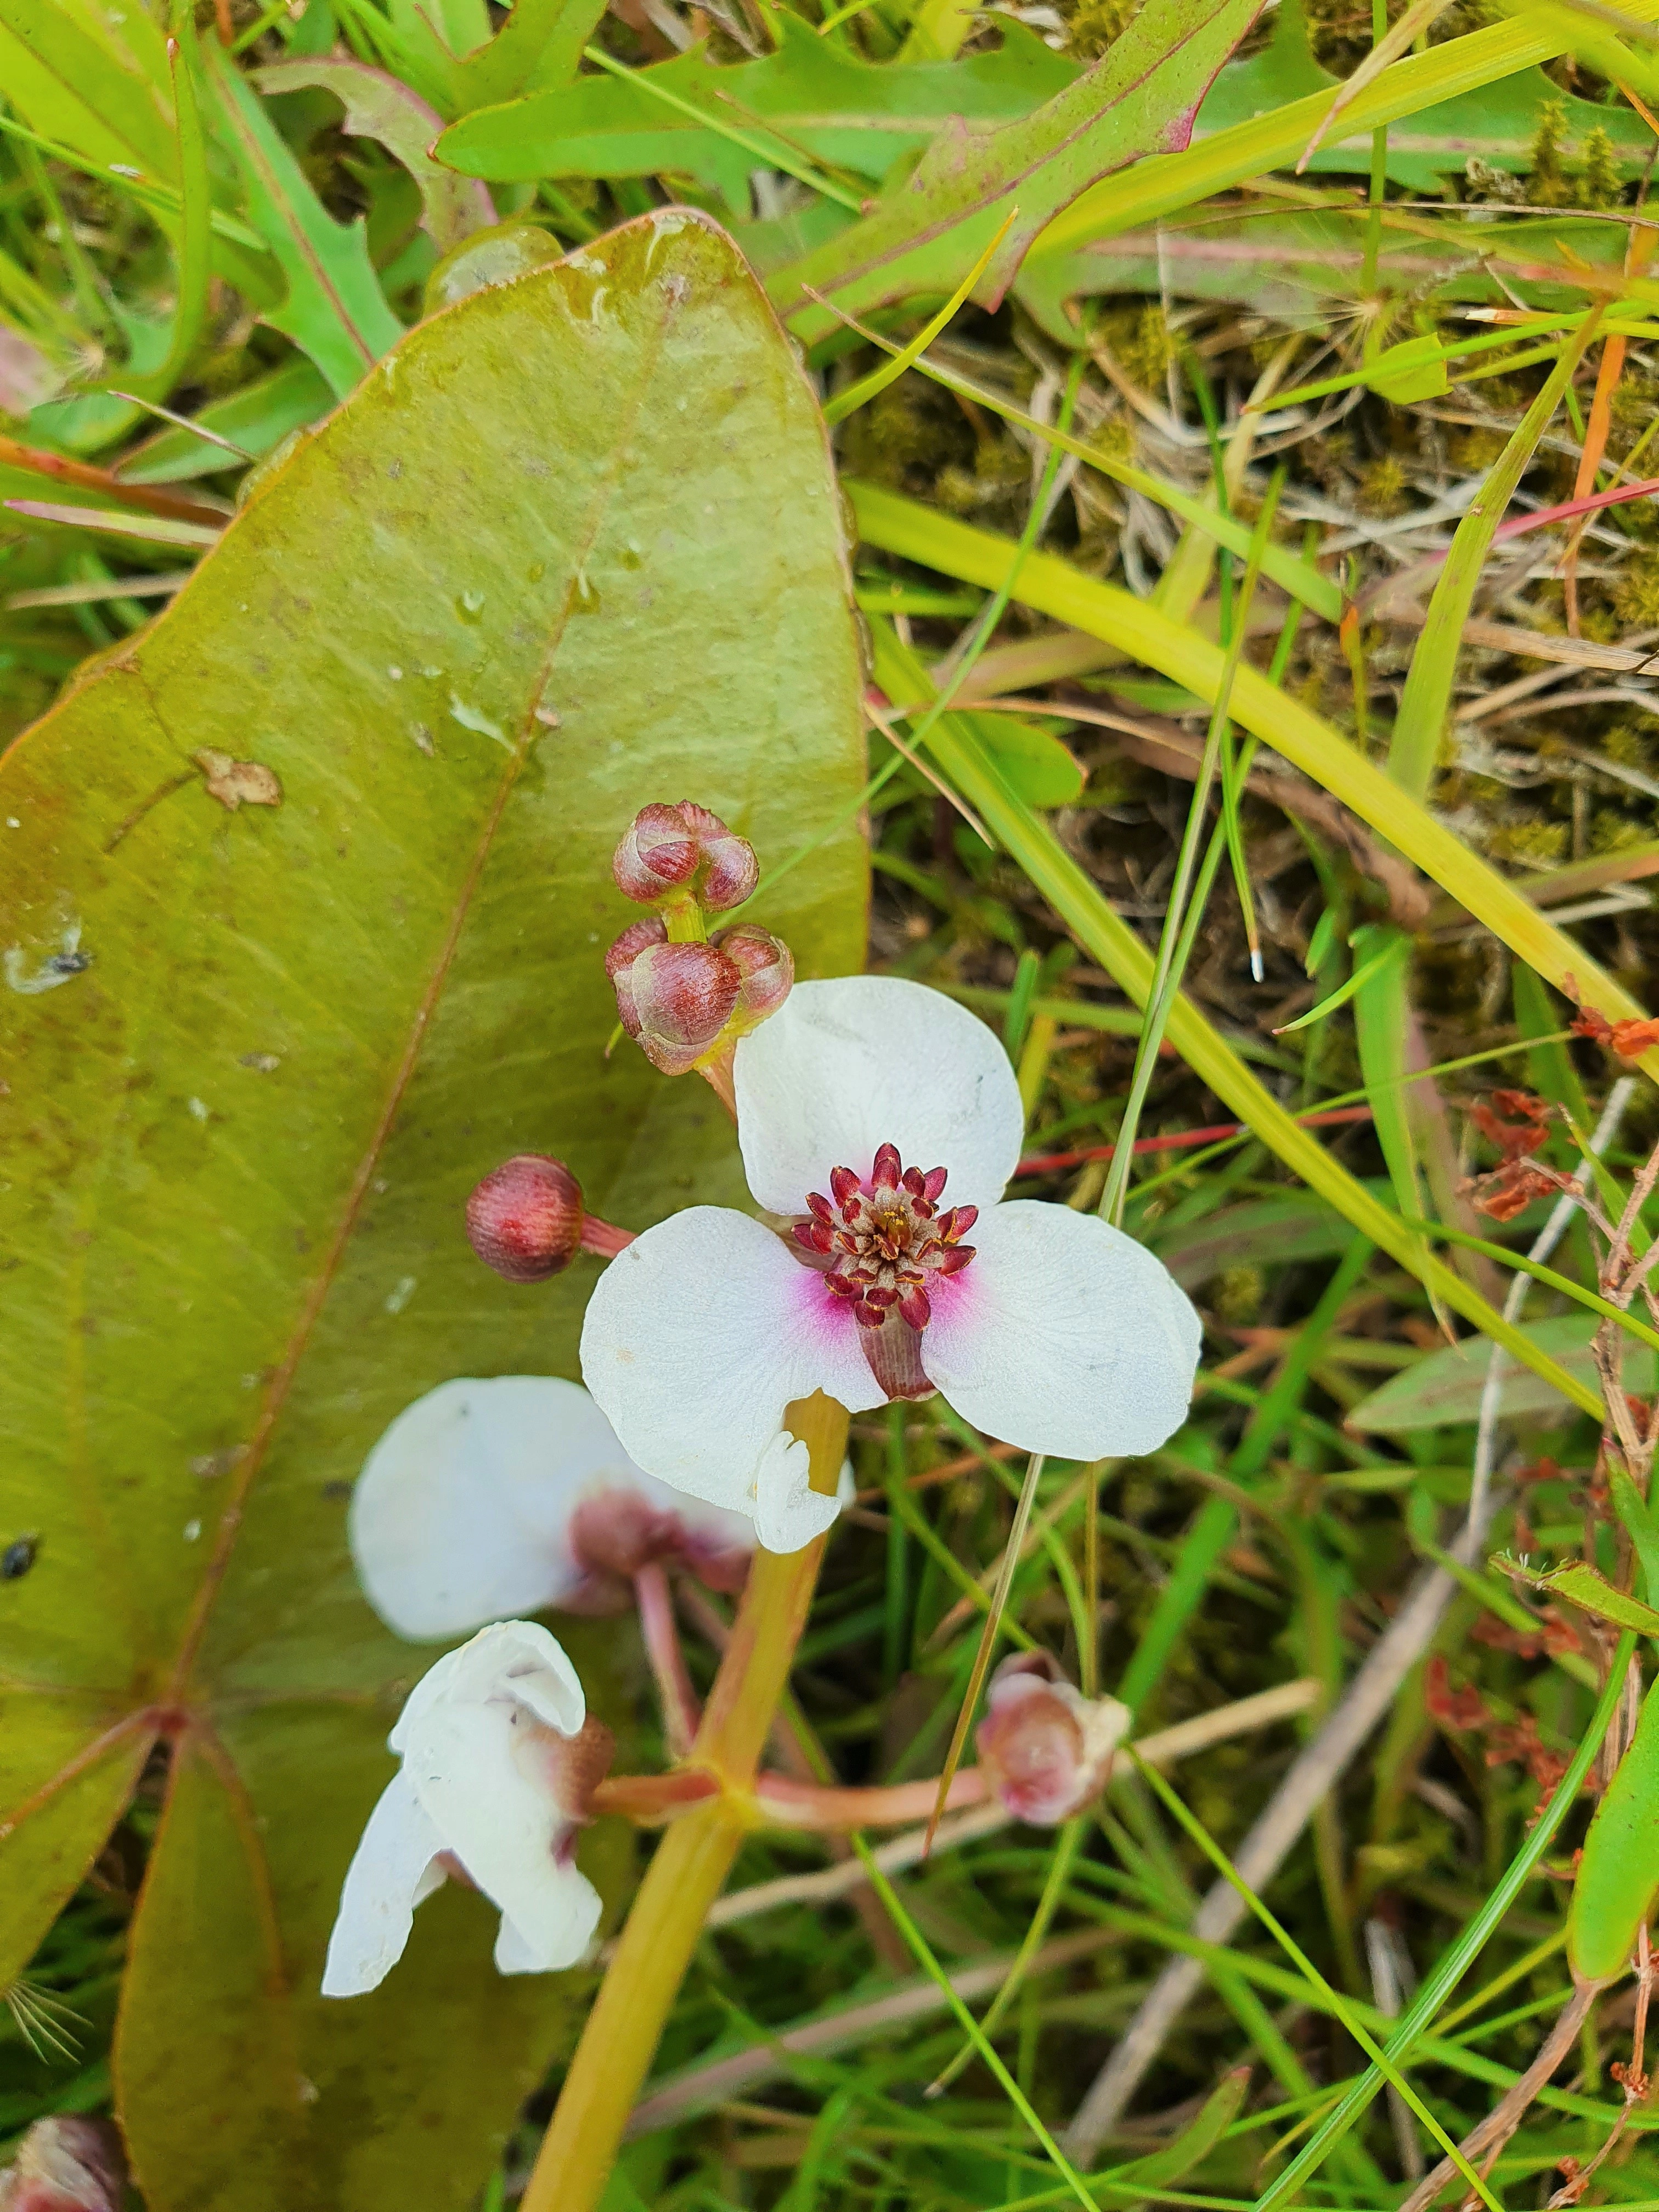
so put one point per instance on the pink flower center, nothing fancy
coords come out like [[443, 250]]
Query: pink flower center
[[886, 1240]]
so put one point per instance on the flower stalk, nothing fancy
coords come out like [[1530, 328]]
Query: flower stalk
[[690, 1867]]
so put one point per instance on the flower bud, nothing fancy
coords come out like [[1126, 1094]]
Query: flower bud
[[524, 1219], [64, 2165], [1046, 1748], [765, 965], [674, 1000], [686, 849]]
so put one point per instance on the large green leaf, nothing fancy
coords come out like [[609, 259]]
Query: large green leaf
[[572, 547]]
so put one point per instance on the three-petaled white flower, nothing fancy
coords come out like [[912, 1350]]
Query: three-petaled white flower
[[484, 1500], [879, 1124], [499, 1762]]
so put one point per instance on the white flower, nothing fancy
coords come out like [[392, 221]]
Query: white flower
[[879, 1124], [488, 1499], [499, 1761]]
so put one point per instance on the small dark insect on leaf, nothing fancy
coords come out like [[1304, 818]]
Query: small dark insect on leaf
[[18, 1558]]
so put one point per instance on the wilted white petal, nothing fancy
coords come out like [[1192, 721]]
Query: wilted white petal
[[513, 1954], [460, 1515], [699, 1334], [788, 1512], [844, 1068], [473, 1769], [392, 1870], [1063, 1335], [519, 1659]]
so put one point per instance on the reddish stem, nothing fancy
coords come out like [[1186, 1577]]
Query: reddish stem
[[810, 1805], [681, 1711], [604, 1237], [86, 476], [653, 1798]]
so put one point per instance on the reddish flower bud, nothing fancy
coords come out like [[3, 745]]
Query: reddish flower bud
[[1046, 1748], [674, 1000], [766, 966], [685, 848], [650, 929], [64, 2166], [524, 1219]]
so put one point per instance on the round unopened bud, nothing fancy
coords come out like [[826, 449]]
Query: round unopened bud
[[765, 965], [65, 2164], [684, 848], [674, 1000], [524, 1219], [1046, 1748], [651, 929]]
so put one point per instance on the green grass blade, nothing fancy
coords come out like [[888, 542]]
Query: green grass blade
[[1426, 700], [1293, 1951], [1460, 1955], [1055, 587], [1175, 939], [840, 405]]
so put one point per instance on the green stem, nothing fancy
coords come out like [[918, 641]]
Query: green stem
[[690, 1868]]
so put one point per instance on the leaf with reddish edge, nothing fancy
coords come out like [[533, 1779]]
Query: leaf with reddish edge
[[930, 227], [377, 106], [258, 1060]]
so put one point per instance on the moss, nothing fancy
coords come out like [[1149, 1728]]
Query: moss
[[1473, 451], [1139, 339], [1600, 184], [1382, 486], [1611, 831], [1237, 1293], [1627, 746], [1636, 597], [1538, 844], [1547, 183], [1096, 24]]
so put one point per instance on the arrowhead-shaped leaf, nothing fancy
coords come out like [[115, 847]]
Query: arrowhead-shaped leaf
[[572, 547]]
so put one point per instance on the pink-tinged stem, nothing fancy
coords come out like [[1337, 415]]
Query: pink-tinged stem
[[681, 1711], [811, 1805], [604, 1237], [653, 1798]]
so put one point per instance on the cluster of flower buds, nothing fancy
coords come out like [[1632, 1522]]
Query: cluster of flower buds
[[526, 1220], [685, 997], [1046, 1748]]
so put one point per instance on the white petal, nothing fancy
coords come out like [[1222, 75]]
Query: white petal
[[460, 1512], [844, 1068], [1063, 1335], [474, 1769], [391, 1871], [512, 1663], [788, 1512], [516, 1954], [699, 1334]]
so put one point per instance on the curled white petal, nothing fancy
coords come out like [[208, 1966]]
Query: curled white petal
[[788, 1512], [696, 1338], [843, 1067], [481, 1738], [393, 1869], [1063, 1335], [461, 1514]]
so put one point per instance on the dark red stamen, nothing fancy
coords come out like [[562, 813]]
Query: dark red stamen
[[886, 1242]]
